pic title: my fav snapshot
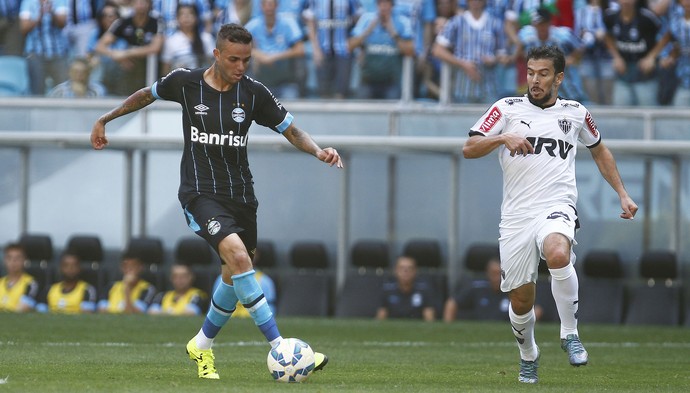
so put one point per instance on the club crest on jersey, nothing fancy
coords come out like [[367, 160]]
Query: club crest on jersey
[[201, 109], [491, 119], [238, 115], [565, 125], [213, 227]]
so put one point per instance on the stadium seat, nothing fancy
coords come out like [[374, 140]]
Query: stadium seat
[[657, 301], [360, 296], [478, 255], [602, 289], [14, 78], [150, 251], [39, 263], [195, 252], [90, 250], [306, 289], [267, 251], [427, 253]]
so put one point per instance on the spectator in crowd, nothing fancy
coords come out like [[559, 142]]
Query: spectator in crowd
[[407, 296], [385, 38], [183, 299], [330, 22], [680, 55], [71, 295], [596, 67], [634, 39], [431, 67], [233, 11], [167, 12], [542, 33], [46, 48], [278, 42], [143, 37], [11, 37], [132, 294], [189, 47], [79, 84], [422, 16], [105, 70], [81, 23], [18, 290], [470, 43]]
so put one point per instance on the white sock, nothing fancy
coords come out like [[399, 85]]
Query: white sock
[[523, 330], [564, 286], [203, 342], [275, 341]]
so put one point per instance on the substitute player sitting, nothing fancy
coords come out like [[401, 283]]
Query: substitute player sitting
[[216, 191], [537, 137]]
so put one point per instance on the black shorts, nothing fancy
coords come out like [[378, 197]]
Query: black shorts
[[215, 218]]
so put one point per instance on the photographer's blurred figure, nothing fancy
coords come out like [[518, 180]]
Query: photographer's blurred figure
[[131, 295], [407, 296], [183, 299], [18, 290], [71, 295]]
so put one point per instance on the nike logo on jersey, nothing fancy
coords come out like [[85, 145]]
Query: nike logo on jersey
[[526, 123], [549, 145]]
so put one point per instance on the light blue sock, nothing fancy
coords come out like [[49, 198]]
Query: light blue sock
[[252, 298], [223, 304]]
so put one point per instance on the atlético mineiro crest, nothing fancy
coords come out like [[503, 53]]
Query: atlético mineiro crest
[[565, 125], [238, 115]]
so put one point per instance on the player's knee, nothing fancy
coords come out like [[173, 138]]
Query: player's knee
[[558, 258]]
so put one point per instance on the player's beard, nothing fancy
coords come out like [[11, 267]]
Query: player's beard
[[541, 101]]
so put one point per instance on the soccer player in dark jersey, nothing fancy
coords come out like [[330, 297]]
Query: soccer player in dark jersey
[[219, 104]]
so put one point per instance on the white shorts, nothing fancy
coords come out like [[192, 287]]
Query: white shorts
[[522, 243]]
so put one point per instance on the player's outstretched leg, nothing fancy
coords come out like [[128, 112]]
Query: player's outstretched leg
[[252, 298], [199, 349], [564, 286]]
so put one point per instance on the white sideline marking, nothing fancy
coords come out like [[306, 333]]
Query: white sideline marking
[[484, 344]]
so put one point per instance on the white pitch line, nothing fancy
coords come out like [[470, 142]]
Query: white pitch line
[[382, 344]]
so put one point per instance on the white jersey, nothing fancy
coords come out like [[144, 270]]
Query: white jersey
[[546, 178]]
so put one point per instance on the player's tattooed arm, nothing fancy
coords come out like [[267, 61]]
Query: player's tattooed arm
[[305, 143], [134, 102], [139, 99]]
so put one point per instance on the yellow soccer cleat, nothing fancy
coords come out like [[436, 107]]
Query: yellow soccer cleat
[[320, 361], [204, 360]]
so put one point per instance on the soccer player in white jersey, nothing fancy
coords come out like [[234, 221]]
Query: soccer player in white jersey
[[219, 104], [536, 136]]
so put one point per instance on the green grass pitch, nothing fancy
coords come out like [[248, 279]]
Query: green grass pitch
[[105, 353]]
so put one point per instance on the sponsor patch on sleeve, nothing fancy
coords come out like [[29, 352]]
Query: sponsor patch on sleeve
[[591, 125], [491, 119]]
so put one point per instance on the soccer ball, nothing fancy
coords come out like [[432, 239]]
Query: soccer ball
[[292, 360]]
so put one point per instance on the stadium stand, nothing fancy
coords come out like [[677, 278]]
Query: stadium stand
[[361, 293], [39, 263], [306, 289], [657, 301], [602, 288]]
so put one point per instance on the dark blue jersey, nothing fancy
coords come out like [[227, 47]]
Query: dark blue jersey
[[215, 126]]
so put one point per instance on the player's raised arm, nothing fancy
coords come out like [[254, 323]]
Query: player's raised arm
[[607, 166], [303, 141], [133, 103]]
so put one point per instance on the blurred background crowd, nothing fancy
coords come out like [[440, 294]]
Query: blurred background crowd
[[619, 52]]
